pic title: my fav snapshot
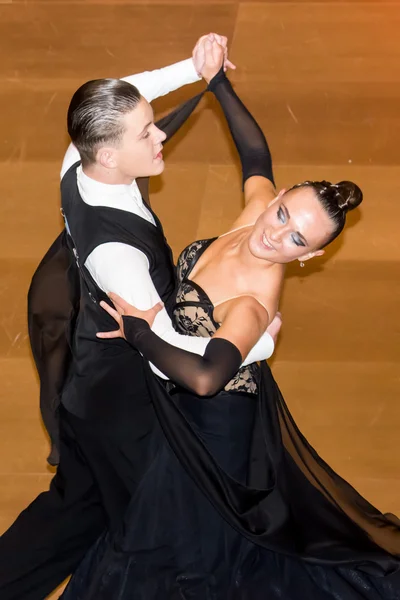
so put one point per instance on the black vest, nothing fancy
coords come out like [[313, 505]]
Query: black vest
[[105, 371]]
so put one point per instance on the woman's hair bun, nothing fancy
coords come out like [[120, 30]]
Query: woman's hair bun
[[347, 195]]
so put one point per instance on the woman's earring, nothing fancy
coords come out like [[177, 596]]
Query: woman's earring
[[301, 264]]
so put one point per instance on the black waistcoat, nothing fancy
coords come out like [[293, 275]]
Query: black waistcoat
[[106, 375]]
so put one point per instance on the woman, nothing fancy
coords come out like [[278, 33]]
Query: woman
[[237, 505]]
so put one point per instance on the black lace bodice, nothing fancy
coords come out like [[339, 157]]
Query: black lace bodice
[[193, 313]]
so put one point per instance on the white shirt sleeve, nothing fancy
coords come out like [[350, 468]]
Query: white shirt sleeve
[[151, 85], [71, 157], [157, 83], [124, 270], [262, 350]]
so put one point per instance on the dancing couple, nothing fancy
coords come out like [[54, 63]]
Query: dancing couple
[[182, 473]]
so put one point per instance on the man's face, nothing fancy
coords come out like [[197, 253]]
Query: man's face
[[139, 152]]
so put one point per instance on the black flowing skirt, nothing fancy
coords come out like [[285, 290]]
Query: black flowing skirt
[[237, 505]]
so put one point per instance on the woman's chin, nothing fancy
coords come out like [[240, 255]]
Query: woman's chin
[[258, 251]]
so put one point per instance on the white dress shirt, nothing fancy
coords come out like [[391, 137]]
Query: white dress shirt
[[123, 269]]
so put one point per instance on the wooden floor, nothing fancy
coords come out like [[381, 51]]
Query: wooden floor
[[323, 80]]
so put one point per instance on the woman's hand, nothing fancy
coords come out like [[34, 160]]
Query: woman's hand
[[123, 308]]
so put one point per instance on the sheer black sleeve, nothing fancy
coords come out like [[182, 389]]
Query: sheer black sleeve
[[172, 122], [204, 375], [249, 139]]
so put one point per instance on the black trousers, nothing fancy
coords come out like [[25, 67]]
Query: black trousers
[[50, 537], [102, 460]]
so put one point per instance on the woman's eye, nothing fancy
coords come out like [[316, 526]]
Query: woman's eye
[[281, 215], [297, 241], [146, 135]]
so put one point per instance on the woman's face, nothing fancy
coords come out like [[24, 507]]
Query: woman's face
[[294, 226]]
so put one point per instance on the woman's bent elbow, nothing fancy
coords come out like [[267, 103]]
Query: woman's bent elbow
[[206, 386]]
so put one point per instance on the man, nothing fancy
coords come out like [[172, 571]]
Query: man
[[108, 430]]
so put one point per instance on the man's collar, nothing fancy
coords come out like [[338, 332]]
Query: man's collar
[[93, 187]]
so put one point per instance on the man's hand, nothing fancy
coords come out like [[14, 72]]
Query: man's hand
[[124, 308], [199, 57]]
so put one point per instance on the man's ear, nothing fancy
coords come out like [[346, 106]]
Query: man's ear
[[106, 157]]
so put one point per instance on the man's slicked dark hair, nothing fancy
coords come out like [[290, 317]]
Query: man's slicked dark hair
[[95, 114]]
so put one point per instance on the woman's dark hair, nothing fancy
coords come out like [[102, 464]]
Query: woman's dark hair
[[95, 114], [337, 199]]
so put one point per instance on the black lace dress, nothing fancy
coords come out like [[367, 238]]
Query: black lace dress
[[237, 505]]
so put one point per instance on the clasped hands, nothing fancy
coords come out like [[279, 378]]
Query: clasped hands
[[210, 54]]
